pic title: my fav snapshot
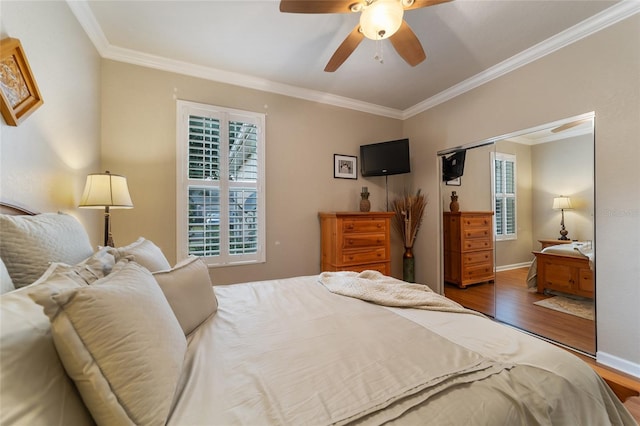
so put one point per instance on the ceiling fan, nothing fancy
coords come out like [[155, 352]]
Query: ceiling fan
[[379, 19], [570, 125]]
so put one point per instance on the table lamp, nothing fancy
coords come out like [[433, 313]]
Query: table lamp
[[562, 203], [108, 191]]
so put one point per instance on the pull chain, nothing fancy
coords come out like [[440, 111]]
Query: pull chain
[[379, 56]]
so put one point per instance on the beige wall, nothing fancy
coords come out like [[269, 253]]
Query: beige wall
[[564, 168], [44, 161], [139, 134], [600, 73]]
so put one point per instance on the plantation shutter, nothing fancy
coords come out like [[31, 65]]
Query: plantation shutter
[[504, 194], [221, 177]]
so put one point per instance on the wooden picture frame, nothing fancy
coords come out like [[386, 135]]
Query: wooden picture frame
[[345, 166], [19, 93]]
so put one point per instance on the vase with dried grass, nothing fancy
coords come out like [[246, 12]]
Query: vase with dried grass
[[409, 210]]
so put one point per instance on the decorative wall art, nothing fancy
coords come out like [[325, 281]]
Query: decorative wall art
[[19, 94], [345, 166]]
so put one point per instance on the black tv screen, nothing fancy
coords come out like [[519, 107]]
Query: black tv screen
[[385, 158], [453, 166]]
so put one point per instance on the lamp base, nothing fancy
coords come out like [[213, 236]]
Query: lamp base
[[563, 235]]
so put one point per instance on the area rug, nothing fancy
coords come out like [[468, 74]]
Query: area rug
[[580, 308]]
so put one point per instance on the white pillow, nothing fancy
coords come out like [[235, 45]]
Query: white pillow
[[97, 266], [120, 342], [144, 252], [188, 289], [28, 244], [34, 387], [6, 284]]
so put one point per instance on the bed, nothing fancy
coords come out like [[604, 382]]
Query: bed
[[122, 337], [564, 268]]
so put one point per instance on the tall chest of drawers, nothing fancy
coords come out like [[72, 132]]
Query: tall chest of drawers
[[354, 241], [468, 248]]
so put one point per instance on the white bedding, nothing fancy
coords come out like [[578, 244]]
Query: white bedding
[[290, 352]]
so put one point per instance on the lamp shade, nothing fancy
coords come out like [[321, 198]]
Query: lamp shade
[[562, 203], [106, 190], [381, 19]]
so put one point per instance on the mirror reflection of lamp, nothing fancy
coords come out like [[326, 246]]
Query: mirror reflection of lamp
[[106, 190], [562, 203]]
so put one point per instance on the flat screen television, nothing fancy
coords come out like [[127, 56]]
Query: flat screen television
[[453, 166], [385, 158]]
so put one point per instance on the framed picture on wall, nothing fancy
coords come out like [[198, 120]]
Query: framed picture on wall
[[19, 94], [345, 166]]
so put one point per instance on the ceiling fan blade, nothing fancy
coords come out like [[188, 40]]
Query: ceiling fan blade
[[345, 49], [569, 125], [424, 3], [407, 45], [315, 6]]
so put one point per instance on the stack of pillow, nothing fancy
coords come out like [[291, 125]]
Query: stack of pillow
[[111, 346]]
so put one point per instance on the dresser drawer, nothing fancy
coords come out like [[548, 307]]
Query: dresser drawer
[[364, 256], [363, 226], [363, 240], [483, 221], [478, 273], [477, 244], [478, 257], [473, 233]]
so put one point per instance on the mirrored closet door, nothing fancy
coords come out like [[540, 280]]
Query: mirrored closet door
[[537, 187]]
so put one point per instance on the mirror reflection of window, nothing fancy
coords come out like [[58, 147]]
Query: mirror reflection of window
[[504, 195]]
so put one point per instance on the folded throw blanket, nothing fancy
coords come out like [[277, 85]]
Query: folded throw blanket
[[372, 286]]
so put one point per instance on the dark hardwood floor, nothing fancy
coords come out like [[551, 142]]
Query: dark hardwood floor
[[513, 305]]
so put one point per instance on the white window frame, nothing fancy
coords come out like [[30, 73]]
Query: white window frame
[[184, 109], [502, 157]]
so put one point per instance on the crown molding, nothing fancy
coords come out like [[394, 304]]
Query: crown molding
[[89, 24], [604, 19], [600, 21]]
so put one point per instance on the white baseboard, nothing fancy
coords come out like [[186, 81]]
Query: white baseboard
[[618, 363], [513, 266]]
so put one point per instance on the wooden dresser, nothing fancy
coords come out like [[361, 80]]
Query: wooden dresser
[[354, 241], [468, 248]]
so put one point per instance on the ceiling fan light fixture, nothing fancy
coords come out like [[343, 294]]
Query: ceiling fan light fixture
[[381, 19]]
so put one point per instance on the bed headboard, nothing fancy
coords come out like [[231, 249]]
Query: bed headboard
[[14, 209]]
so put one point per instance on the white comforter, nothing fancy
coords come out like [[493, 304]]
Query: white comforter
[[289, 352]]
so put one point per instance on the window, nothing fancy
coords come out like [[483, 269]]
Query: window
[[504, 195], [220, 187]]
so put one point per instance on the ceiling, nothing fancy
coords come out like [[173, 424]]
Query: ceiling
[[253, 44]]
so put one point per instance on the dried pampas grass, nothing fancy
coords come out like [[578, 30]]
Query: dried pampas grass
[[409, 210]]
